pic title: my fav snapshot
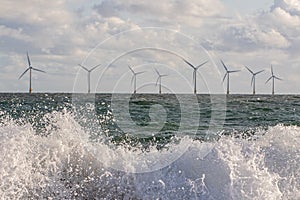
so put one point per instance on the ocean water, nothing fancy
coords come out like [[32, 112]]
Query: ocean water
[[146, 146]]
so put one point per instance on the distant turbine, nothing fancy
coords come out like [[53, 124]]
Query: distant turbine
[[30, 68], [253, 78], [195, 73], [227, 74], [89, 75], [159, 80], [134, 78], [273, 77]]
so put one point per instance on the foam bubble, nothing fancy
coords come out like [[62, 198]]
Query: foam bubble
[[67, 164]]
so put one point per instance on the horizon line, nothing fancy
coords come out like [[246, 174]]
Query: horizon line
[[152, 93]]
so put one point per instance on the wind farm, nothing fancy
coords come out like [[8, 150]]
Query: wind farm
[[30, 69], [160, 76], [89, 74], [228, 72], [133, 79], [273, 77], [195, 73], [158, 81], [149, 100], [253, 78]]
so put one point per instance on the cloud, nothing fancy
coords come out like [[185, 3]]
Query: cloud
[[13, 33], [60, 34], [291, 6], [156, 13], [46, 13]]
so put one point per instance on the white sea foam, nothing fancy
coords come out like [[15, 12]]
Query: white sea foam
[[66, 164]]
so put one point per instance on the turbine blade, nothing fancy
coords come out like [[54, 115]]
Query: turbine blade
[[94, 67], [163, 75], [189, 64], [224, 77], [202, 64], [38, 70], [28, 60], [252, 80], [140, 72], [157, 71], [272, 70], [269, 79], [224, 65], [234, 71], [83, 67], [132, 79], [249, 70], [131, 69], [157, 81], [259, 72], [278, 78], [24, 73]]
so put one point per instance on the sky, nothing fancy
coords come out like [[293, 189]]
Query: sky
[[149, 35]]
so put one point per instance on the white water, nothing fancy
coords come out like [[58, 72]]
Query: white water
[[67, 165]]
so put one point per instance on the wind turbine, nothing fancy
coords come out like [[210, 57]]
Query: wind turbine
[[89, 75], [253, 77], [195, 73], [227, 74], [159, 79], [30, 68], [134, 78], [273, 77]]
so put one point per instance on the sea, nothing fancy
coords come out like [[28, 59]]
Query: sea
[[149, 146]]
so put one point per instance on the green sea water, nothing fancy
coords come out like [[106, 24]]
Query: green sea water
[[149, 146]]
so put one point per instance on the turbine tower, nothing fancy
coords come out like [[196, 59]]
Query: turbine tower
[[195, 73], [134, 78], [228, 72], [159, 79], [89, 75], [273, 77], [253, 77], [30, 68]]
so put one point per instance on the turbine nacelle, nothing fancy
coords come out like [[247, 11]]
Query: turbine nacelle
[[89, 74], [88, 70], [253, 74], [135, 74], [228, 72], [133, 79], [195, 72], [273, 82], [273, 76], [159, 76], [30, 68]]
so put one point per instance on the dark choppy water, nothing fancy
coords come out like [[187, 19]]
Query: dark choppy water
[[149, 146]]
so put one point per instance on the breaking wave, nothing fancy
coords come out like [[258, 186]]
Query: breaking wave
[[66, 164]]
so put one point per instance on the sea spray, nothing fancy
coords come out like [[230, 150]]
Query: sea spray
[[65, 164]]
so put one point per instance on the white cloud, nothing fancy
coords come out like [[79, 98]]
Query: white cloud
[[59, 34], [157, 13], [44, 13], [292, 6], [13, 33]]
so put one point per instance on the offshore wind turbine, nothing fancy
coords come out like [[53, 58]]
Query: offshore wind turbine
[[89, 74], [30, 68], [159, 79], [228, 72], [195, 73], [253, 77], [134, 78], [273, 77]]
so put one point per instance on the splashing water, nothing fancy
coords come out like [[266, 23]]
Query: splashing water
[[65, 164]]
